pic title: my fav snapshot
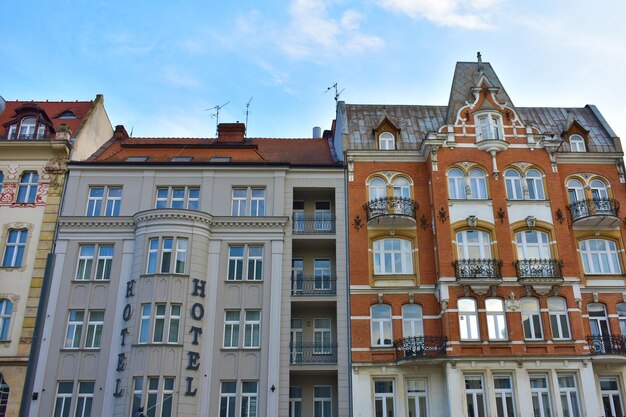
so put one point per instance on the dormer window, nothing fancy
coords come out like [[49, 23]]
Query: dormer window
[[386, 142], [27, 128], [577, 143], [489, 127], [67, 115]]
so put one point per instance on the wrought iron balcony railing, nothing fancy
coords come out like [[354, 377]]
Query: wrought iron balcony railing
[[478, 268], [607, 345], [313, 285], [30, 136], [312, 353], [420, 347], [313, 224], [391, 206], [539, 268], [594, 207]]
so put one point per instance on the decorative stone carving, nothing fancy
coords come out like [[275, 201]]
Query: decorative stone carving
[[512, 304], [444, 305], [579, 303], [595, 297], [380, 298], [411, 297], [472, 221], [531, 221]]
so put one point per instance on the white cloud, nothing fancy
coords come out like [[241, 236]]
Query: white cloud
[[179, 78]]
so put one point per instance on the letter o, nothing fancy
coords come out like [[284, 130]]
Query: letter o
[[197, 311], [126, 313]]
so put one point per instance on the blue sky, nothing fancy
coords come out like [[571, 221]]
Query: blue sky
[[161, 64]]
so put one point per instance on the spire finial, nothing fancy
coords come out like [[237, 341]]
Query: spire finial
[[480, 60]]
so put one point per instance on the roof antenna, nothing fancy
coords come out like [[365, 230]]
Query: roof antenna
[[216, 115], [248, 111], [337, 93], [131, 131], [480, 61]]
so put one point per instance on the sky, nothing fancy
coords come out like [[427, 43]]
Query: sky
[[161, 64]]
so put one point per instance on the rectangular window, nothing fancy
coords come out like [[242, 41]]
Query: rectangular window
[[559, 323], [174, 324], [323, 217], [569, 396], [14, 249], [248, 201], [114, 200], [105, 259], [249, 398], [322, 401], [255, 263], [166, 254], [475, 396], [251, 257], [231, 328], [417, 395], [85, 262], [611, 397], [257, 202], [540, 394], [157, 398], [228, 397], [178, 197], [181, 255], [137, 396], [295, 401], [163, 254], [94, 329], [63, 401], [74, 329], [27, 189], [97, 200], [86, 255], [144, 325], [384, 398], [164, 323], [252, 329], [321, 273], [159, 322], [322, 337], [85, 399], [503, 388]]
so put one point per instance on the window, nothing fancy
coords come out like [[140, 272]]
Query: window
[[401, 188], [513, 181], [599, 256], [231, 328], [475, 396], [74, 329], [386, 141], [248, 202], [299, 221], [94, 329], [474, 186], [532, 244], [456, 184], [531, 318], [621, 311], [534, 182], [112, 202], [381, 325], [418, 397], [599, 190], [393, 256], [322, 401], [559, 323], [503, 388], [575, 191], [4, 396], [569, 396], [164, 323], [473, 244], [85, 399], [598, 320], [164, 252], [178, 197], [577, 143], [6, 309], [496, 319], [137, 394], [75, 324], [611, 397], [412, 321], [377, 188], [489, 127], [295, 401], [158, 396], [478, 184], [15, 246], [383, 398], [63, 401], [468, 319], [249, 398], [323, 217], [321, 274], [252, 329], [27, 190], [295, 340], [86, 255], [228, 396], [540, 395], [322, 337], [254, 264]]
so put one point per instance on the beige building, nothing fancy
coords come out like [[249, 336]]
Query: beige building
[[36, 141]]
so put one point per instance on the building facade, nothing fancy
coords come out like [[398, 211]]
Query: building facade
[[36, 141], [486, 256], [199, 277]]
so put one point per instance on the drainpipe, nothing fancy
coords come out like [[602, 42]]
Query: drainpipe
[[346, 223]]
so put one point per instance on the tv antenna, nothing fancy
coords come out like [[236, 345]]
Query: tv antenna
[[216, 115], [337, 93], [247, 112]]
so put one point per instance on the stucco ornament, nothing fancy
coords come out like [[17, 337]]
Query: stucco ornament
[[512, 304]]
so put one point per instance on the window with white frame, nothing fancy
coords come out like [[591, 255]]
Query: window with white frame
[[468, 319], [156, 397], [27, 189], [472, 187], [473, 244], [252, 329], [86, 258], [478, 184], [417, 395], [136, 406], [167, 255], [575, 191], [599, 256], [228, 398], [456, 184], [251, 257], [322, 336], [322, 401], [231, 328], [559, 323], [401, 188], [496, 319], [4, 395], [577, 143], [532, 244], [321, 274], [323, 217], [489, 127], [27, 128], [503, 389], [384, 398], [534, 183], [74, 329], [248, 201], [475, 396], [159, 323], [63, 400], [377, 188], [249, 398], [95, 324], [6, 310], [393, 256], [178, 197], [513, 181], [412, 321], [599, 190], [531, 318], [621, 312], [540, 394], [14, 248], [568, 392], [598, 320], [84, 398], [386, 141], [97, 200], [381, 325], [295, 401], [611, 397]]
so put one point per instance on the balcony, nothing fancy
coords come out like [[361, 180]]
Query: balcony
[[318, 224], [312, 353], [420, 347], [28, 136], [606, 345], [391, 211], [539, 269], [323, 285], [594, 213], [479, 274]]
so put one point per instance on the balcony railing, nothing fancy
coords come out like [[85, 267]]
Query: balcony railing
[[539, 268], [313, 285], [390, 206], [318, 224], [594, 207], [30, 136], [420, 347], [607, 345], [312, 353], [477, 268]]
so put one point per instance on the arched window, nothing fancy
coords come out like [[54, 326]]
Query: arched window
[[27, 128], [14, 248], [489, 126], [468, 319], [28, 188], [6, 309], [393, 256], [378, 188], [386, 141], [496, 319], [599, 256], [598, 320], [531, 318], [621, 311], [381, 325], [577, 143], [599, 190], [401, 188], [478, 184], [456, 184], [534, 181], [473, 244], [575, 191], [559, 323], [513, 181], [532, 244], [412, 321], [4, 396]]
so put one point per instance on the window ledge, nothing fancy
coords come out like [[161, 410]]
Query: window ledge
[[76, 281], [386, 347], [12, 268], [81, 349], [241, 281], [394, 276], [161, 274], [152, 344]]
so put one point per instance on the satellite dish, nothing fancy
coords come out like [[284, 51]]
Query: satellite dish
[[3, 105]]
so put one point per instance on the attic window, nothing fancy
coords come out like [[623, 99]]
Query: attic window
[[489, 127], [386, 141], [67, 115], [182, 159], [577, 143], [137, 159], [220, 159]]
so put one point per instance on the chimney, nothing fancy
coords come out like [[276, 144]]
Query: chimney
[[120, 133], [317, 132], [231, 132]]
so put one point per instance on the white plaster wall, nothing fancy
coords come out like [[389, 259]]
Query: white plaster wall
[[519, 210], [461, 209]]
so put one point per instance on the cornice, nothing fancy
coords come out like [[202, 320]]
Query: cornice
[[588, 157], [386, 156], [259, 222], [85, 222], [170, 214]]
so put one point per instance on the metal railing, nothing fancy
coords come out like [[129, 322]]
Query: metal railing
[[313, 285], [539, 268], [478, 268], [391, 206], [420, 347], [313, 224], [594, 207], [315, 353], [607, 345], [30, 136]]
